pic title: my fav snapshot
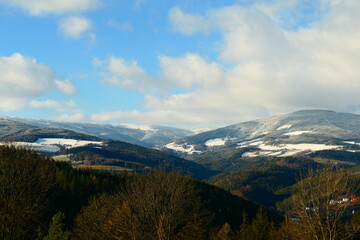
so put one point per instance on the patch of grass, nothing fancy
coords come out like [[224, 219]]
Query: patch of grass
[[62, 158]]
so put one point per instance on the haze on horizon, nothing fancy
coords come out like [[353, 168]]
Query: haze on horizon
[[177, 63]]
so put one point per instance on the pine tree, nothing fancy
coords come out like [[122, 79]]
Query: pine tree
[[56, 229]]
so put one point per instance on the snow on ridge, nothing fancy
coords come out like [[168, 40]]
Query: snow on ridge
[[352, 142], [284, 150], [296, 133], [68, 143], [52, 144], [286, 126], [216, 142], [199, 130], [36, 146], [190, 149], [138, 127]]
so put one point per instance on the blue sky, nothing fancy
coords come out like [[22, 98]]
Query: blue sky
[[189, 63]]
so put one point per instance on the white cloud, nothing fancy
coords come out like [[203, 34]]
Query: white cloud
[[187, 23], [273, 68], [189, 71], [264, 66], [59, 106], [23, 78], [127, 74], [77, 117], [43, 7], [65, 86], [75, 27]]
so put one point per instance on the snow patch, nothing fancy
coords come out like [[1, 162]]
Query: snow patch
[[252, 142], [284, 150], [216, 142], [200, 130], [296, 133], [36, 146], [286, 126], [352, 142], [139, 127], [52, 144], [67, 143], [190, 149]]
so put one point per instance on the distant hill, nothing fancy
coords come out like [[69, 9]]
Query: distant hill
[[11, 130], [83, 150], [292, 134], [147, 136]]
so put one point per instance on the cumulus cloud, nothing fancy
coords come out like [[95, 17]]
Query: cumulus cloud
[[75, 27], [129, 75], [59, 106], [65, 86], [189, 71], [187, 23], [43, 7], [23, 78]]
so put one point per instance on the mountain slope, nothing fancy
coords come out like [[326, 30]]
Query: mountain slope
[[83, 150], [147, 136], [11, 130], [296, 133]]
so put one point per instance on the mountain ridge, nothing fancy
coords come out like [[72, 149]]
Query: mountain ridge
[[147, 137], [316, 128]]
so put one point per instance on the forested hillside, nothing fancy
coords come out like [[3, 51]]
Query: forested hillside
[[44, 199], [35, 189]]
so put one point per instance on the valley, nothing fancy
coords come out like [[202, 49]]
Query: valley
[[257, 163]]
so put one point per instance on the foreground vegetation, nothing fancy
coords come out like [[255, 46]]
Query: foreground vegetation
[[44, 199]]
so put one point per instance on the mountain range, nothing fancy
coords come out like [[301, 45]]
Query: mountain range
[[256, 159], [84, 150], [146, 136], [296, 133]]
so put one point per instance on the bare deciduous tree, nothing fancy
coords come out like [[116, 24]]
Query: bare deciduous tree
[[155, 206], [320, 203]]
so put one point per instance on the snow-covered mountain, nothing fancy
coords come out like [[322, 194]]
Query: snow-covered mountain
[[85, 150], [296, 133], [147, 136]]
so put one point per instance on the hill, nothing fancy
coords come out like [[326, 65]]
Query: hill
[[82, 150], [146, 136], [298, 133]]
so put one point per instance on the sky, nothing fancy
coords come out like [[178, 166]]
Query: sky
[[182, 63]]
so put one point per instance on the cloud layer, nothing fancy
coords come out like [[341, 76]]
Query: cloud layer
[[265, 65]]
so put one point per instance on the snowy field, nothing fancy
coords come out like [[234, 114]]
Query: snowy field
[[52, 144], [215, 142], [284, 150], [189, 149], [296, 133]]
